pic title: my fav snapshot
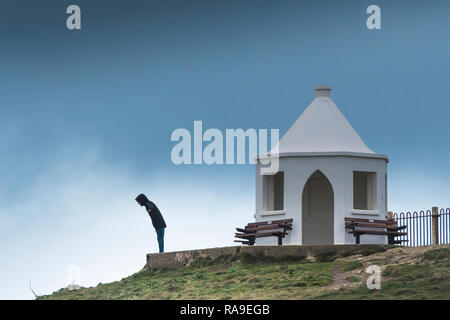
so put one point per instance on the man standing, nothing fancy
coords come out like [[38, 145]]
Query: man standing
[[157, 219]]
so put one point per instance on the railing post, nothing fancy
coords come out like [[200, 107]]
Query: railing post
[[389, 215], [435, 223], [390, 237]]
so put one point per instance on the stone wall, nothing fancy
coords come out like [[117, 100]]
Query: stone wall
[[171, 260]]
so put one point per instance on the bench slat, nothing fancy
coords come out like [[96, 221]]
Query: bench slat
[[253, 224], [370, 220], [370, 225], [257, 234], [375, 232], [269, 226], [387, 228], [252, 230], [282, 221], [257, 223]]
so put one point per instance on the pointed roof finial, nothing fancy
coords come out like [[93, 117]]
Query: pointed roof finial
[[322, 91]]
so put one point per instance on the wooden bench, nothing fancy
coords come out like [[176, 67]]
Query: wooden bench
[[275, 228], [389, 228]]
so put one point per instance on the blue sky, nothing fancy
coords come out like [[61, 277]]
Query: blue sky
[[86, 117]]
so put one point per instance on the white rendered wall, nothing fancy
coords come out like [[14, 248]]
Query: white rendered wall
[[339, 171]]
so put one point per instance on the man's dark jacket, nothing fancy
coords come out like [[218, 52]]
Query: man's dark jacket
[[155, 215]]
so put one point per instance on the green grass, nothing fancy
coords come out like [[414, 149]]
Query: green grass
[[351, 265], [229, 277], [407, 281], [256, 277], [441, 255]]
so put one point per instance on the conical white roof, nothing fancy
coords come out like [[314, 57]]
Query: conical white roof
[[321, 128]]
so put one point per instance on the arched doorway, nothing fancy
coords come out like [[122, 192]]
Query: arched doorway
[[318, 210]]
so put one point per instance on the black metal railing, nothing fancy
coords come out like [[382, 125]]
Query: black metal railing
[[444, 226], [419, 227]]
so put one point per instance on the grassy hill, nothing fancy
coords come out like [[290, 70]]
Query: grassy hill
[[407, 273]]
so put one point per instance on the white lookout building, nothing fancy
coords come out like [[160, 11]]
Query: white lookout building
[[326, 172]]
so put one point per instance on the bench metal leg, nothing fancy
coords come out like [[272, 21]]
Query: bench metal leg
[[357, 238], [391, 239], [280, 240]]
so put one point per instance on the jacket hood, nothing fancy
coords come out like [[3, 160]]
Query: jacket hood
[[142, 199]]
